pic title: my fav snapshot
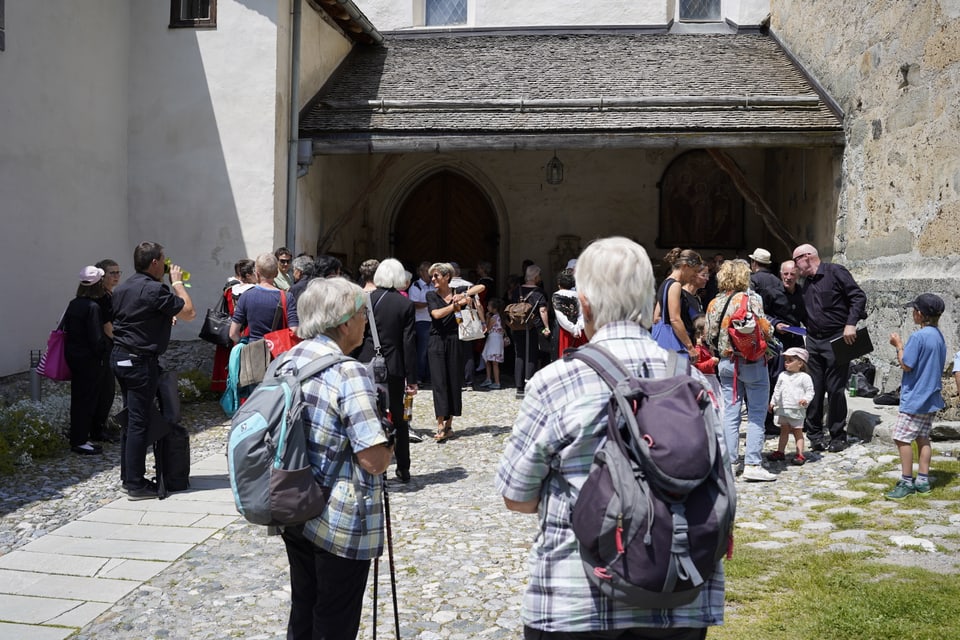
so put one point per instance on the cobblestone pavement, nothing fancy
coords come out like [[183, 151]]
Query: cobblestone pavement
[[460, 557]]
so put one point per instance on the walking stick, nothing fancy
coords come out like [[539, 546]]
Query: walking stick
[[376, 581], [393, 573]]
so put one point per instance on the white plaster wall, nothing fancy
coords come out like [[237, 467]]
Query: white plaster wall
[[202, 140], [63, 171], [389, 15], [322, 48], [570, 12]]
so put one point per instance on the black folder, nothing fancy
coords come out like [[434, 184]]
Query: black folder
[[843, 352]]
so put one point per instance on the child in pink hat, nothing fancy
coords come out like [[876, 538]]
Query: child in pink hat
[[791, 395]]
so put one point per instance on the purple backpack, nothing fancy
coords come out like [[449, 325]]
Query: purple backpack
[[656, 512]]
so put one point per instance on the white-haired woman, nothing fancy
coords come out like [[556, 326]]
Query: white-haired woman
[[560, 425], [395, 318], [349, 451]]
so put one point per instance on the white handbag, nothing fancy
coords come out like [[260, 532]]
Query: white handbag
[[471, 326]]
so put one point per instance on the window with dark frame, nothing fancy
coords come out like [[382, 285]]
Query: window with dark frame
[[193, 14]]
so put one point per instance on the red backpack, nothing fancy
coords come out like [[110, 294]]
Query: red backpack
[[746, 336]]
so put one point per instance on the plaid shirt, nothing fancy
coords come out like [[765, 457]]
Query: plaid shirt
[[559, 427], [340, 409]]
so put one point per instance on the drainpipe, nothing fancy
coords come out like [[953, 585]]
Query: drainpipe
[[293, 137]]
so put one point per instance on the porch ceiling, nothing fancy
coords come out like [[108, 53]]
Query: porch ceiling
[[587, 90]]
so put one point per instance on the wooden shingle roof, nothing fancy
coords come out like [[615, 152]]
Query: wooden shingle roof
[[583, 89]]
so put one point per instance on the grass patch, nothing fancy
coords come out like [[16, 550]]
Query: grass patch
[[792, 595]]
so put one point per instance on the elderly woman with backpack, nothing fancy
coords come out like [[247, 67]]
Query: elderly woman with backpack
[[349, 451], [738, 330]]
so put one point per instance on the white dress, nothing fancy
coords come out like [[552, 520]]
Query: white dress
[[493, 349]]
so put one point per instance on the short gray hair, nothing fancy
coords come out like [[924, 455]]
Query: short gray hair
[[266, 265], [615, 276], [390, 274], [325, 304], [303, 264], [532, 273]]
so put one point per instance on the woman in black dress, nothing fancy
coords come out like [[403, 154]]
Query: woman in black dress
[[443, 349]]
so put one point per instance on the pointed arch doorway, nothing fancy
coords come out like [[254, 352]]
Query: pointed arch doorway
[[447, 217]]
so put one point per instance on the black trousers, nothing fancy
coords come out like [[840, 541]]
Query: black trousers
[[527, 356], [446, 375], [86, 379], [618, 634], [326, 591], [829, 378], [402, 448]]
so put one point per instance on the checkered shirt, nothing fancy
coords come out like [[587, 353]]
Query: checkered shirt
[[560, 425], [340, 409]]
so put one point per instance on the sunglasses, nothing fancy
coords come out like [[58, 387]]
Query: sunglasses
[[436, 276], [284, 261]]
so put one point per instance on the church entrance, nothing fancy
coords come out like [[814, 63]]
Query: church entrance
[[446, 218]]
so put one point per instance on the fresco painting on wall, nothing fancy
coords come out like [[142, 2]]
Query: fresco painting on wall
[[699, 205]]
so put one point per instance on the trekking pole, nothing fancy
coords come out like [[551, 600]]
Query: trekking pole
[[376, 581], [393, 573]]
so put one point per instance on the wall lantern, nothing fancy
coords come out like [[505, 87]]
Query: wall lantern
[[554, 170]]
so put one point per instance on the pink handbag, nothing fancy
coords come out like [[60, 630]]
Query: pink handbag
[[53, 363]]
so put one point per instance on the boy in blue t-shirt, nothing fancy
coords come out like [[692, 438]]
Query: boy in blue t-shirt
[[922, 361]]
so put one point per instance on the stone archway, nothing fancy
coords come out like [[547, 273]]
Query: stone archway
[[446, 217]]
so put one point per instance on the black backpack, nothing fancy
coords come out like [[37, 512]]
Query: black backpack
[[656, 512]]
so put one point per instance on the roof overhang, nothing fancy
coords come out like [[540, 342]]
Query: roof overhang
[[515, 91]]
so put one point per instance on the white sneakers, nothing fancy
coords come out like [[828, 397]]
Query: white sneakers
[[756, 473]]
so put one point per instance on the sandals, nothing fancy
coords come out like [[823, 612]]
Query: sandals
[[444, 430]]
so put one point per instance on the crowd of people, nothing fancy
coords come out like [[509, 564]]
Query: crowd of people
[[411, 328]]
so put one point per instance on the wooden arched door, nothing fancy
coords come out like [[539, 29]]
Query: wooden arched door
[[446, 218]]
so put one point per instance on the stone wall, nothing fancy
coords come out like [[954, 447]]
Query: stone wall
[[894, 68]]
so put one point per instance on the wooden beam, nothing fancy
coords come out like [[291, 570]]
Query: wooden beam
[[770, 220]]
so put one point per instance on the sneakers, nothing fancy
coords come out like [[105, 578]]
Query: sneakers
[[798, 460], [837, 445], [493, 386], [902, 490], [87, 449], [146, 491], [415, 437], [921, 487], [777, 456], [817, 445], [756, 473], [485, 384]]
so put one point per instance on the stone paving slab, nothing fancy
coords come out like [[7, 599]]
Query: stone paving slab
[[28, 632], [21, 560], [31, 583], [132, 549], [139, 532], [33, 609]]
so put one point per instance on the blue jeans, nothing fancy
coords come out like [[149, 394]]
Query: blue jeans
[[138, 376], [753, 386]]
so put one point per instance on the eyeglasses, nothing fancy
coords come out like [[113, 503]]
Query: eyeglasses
[[802, 256], [282, 261]]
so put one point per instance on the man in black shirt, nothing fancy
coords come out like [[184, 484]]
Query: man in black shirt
[[833, 303], [144, 310]]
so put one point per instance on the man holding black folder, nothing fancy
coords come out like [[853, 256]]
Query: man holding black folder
[[833, 303]]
